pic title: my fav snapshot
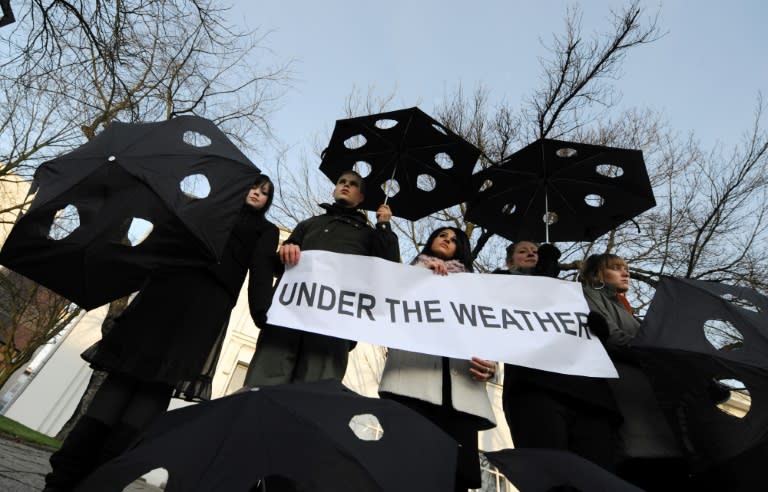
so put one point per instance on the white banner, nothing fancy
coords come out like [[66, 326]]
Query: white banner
[[520, 319]]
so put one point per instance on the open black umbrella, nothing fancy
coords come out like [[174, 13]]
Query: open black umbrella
[[696, 339], [550, 470], [321, 436], [554, 190], [408, 160], [179, 183]]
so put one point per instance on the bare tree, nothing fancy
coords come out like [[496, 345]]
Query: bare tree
[[29, 316], [574, 86], [78, 66], [709, 222]]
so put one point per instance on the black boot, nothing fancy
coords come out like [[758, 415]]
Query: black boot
[[78, 455]]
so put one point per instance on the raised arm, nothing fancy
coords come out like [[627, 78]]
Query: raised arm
[[385, 244]]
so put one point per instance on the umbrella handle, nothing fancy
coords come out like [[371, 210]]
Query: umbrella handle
[[546, 216], [386, 196]]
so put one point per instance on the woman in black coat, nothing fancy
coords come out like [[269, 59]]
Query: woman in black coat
[[551, 410], [167, 342]]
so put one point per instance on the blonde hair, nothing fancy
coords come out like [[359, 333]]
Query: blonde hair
[[592, 269]]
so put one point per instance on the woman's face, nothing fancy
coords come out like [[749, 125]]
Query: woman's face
[[617, 276], [258, 195], [525, 255], [444, 245]]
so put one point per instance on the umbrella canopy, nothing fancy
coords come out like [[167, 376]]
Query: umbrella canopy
[[695, 334], [309, 433], [683, 311], [543, 470], [407, 159], [182, 182], [554, 190]]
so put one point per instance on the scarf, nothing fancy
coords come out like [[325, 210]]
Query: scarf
[[624, 302], [453, 266]]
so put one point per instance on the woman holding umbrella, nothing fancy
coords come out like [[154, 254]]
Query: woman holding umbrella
[[167, 342], [449, 392], [550, 410]]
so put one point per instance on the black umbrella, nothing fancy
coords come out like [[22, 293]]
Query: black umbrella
[[553, 190], [545, 470], [321, 436], [697, 338], [181, 180], [408, 160]]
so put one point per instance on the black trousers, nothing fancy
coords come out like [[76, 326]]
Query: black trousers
[[127, 401], [121, 408], [539, 418]]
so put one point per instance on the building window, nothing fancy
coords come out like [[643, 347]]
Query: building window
[[493, 480], [238, 378]]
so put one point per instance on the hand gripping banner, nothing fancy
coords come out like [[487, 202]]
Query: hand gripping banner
[[536, 322]]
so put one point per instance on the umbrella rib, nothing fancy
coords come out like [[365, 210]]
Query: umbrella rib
[[405, 132]]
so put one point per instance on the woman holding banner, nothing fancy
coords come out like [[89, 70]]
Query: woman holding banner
[[449, 392], [605, 279], [551, 410], [649, 454]]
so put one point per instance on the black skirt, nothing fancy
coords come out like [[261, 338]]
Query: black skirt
[[171, 333]]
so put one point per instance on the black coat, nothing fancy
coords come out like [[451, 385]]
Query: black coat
[[592, 392], [345, 230], [284, 355], [173, 330]]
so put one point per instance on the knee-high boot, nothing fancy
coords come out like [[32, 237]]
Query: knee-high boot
[[120, 439], [78, 455]]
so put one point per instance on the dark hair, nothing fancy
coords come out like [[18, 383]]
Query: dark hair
[[590, 270], [463, 249], [512, 246], [262, 180], [356, 174]]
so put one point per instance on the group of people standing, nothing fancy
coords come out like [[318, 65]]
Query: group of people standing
[[167, 343]]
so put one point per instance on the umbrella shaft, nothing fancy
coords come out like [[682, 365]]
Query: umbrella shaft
[[546, 216]]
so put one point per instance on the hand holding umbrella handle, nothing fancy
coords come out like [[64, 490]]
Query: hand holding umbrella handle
[[383, 214], [547, 265]]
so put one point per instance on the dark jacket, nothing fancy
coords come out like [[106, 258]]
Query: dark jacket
[[645, 432], [592, 391], [288, 356], [345, 230], [173, 330], [252, 248], [622, 325]]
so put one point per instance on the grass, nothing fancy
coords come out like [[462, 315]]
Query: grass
[[14, 430]]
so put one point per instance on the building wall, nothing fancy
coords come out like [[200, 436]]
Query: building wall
[[52, 394], [13, 190]]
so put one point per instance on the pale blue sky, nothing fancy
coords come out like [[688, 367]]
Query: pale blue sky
[[704, 75]]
